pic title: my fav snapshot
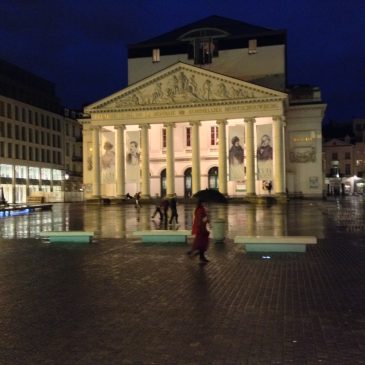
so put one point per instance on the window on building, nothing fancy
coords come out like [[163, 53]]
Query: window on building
[[17, 135], [214, 136], [24, 116], [8, 111], [203, 44], [30, 153], [2, 152], [10, 130], [24, 152], [17, 151], [36, 120], [2, 129], [188, 136], [30, 117], [164, 138], [348, 169], [30, 135], [24, 134], [252, 46], [334, 156], [2, 109], [156, 55], [16, 113], [348, 156], [203, 51]]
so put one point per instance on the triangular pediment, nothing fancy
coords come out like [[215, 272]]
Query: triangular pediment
[[184, 85]]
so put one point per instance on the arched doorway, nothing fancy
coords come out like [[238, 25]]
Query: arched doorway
[[163, 183], [213, 178], [187, 183]]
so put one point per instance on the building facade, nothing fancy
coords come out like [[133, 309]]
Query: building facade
[[40, 142], [207, 107]]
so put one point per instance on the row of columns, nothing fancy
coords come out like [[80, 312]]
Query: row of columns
[[278, 168]]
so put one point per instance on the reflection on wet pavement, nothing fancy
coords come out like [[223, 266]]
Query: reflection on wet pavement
[[119, 221]]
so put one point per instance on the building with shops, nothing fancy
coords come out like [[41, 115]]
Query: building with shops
[[344, 162], [40, 142], [207, 106]]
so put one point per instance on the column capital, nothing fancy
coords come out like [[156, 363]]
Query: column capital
[[122, 127], [95, 127], [195, 123], [278, 118], [169, 124], [144, 126], [249, 120], [221, 122]]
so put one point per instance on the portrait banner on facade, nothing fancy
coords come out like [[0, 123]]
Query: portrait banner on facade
[[264, 152], [107, 160], [133, 156], [236, 153]]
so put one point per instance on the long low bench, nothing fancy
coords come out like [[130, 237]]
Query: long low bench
[[67, 236], [276, 243], [163, 236]]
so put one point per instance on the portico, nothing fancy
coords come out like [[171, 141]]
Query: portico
[[184, 117]]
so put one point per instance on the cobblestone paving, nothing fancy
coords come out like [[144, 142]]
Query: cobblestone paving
[[118, 301]]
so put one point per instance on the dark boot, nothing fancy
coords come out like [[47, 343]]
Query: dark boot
[[202, 257]]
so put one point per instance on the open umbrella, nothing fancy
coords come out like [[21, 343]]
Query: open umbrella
[[210, 196]]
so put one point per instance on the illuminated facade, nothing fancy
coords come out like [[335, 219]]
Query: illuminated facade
[[39, 142], [207, 107]]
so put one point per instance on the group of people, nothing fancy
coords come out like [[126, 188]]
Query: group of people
[[199, 229], [163, 206]]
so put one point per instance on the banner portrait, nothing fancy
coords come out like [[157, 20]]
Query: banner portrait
[[133, 156], [236, 153], [107, 160], [264, 152]]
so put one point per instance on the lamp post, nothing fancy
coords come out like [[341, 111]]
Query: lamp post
[[65, 187]]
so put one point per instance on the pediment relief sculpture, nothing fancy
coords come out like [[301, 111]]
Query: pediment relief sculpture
[[185, 87]]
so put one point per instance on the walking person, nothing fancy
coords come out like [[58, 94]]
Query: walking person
[[173, 207], [201, 233], [137, 197], [158, 210], [165, 207]]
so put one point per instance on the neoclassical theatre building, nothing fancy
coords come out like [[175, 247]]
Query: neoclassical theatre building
[[207, 106]]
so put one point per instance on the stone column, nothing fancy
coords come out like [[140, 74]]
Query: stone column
[[278, 156], [195, 157], [120, 163], [222, 156], [170, 165], [145, 162], [250, 157], [96, 162]]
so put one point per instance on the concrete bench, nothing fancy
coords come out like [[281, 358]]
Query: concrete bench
[[276, 243], [68, 236], [163, 236]]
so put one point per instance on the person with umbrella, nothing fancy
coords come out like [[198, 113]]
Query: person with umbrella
[[201, 233]]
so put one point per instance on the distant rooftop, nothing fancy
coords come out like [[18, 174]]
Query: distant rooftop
[[232, 28]]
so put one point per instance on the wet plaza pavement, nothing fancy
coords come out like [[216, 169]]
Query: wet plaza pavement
[[117, 301]]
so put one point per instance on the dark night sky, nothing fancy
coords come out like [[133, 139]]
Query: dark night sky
[[80, 45]]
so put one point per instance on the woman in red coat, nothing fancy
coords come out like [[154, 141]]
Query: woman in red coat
[[201, 233]]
